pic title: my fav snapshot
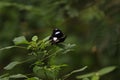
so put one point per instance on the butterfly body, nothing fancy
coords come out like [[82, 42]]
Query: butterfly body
[[57, 36]]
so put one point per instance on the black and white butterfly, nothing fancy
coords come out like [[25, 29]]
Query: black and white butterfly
[[57, 36]]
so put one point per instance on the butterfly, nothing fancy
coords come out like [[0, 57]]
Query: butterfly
[[57, 36]]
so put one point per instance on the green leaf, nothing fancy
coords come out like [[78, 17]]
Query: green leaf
[[46, 39], [20, 40], [95, 77], [35, 38], [99, 73], [4, 75], [11, 65], [106, 70], [18, 76], [85, 75], [5, 78], [66, 47], [37, 69]]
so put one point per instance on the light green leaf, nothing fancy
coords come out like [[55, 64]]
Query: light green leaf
[[35, 38], [99, 73], [5, 78], [85, 75], [95, 77], [20, 40], [106, 70], [4, 75], [46, 39], [18, 76], [11, 65]]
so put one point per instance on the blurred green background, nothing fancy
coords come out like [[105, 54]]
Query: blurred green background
[[93, 25]]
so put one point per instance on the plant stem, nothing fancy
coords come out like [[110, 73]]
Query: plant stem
[[45, 73]]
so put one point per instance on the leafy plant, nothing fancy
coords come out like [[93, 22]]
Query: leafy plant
[[41, 51]]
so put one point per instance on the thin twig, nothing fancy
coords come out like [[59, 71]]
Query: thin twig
[[9, 47], [45, 73]]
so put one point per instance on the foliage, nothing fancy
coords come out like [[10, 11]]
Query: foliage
[[42, 69], [93, 25], [42, 51]]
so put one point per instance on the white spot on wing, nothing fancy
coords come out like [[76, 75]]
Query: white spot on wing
[[57, 32], [55, 38]]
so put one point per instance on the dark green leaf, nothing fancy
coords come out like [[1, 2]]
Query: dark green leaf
[[37, 69]]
